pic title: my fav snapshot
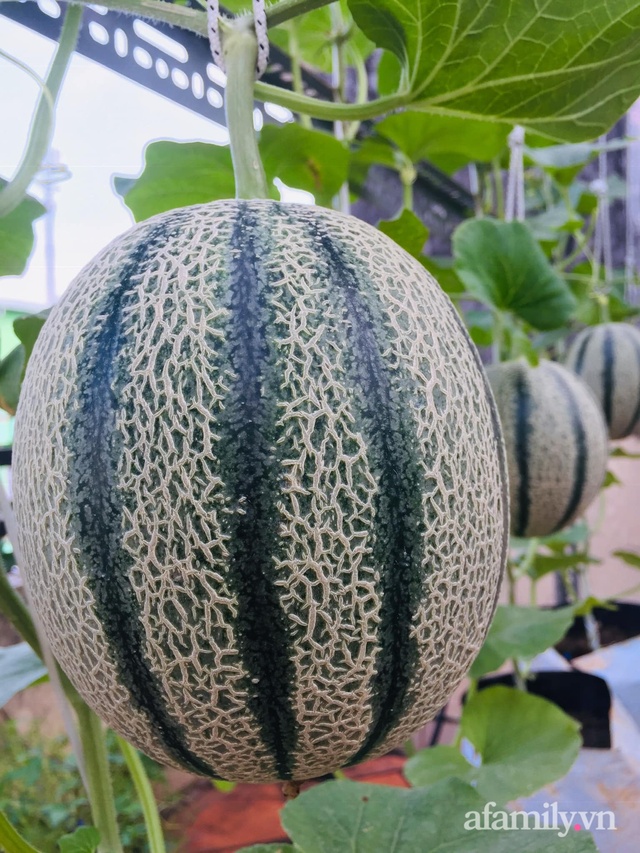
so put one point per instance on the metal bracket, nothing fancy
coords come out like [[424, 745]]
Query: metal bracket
[[172, 62]]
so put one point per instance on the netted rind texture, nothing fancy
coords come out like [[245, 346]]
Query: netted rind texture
[[261, 491], [556, 443], [607, 358]]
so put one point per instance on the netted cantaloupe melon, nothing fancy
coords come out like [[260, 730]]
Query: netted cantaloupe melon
[[261, 490], [607, 358], [556, 444]]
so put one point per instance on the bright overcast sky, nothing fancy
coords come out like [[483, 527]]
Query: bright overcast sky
[[103, 123]]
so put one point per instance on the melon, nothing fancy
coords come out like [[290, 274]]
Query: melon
[[556, 444], [607, 357], [261, 490]]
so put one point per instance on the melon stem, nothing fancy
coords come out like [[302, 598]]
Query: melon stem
[[240, 50]]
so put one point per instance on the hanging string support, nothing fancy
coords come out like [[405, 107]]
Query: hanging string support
[[260, 24], [515, 207]]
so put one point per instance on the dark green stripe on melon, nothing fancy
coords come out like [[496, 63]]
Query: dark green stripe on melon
[[252, 474], [95, 450], [581, 355], [608, 368], [635, 417], [581, 449], [383, 418], [522, 433]]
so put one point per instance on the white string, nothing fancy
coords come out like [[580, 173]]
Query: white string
[[514, 207], [602, 241], [632, 205], [260, 23]]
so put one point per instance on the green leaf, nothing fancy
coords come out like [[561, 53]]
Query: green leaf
[[313, 36], [521, 743], [223, 786], [16, 234], [543, 564], [408, 231], [548, 225], [178, 174], [11, 841], [444, 273], [502, 265], [590, 603], [11, 373], [567, 71], [629, 557], [306, 159], [624, 454], [565, 162], [359, 818], [20, 667], [27, 330], [610, 479], [374, 151], [446, 141], [480, 325], [84, 840], [520, 632]]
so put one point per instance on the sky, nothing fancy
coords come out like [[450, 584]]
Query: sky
[[103, 123]]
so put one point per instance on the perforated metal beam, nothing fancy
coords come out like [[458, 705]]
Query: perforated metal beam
[[172, 62]]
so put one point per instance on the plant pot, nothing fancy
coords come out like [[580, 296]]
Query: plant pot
[[615, 626], [582, 696]]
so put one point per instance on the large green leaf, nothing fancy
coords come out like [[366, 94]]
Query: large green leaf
[[19, 668], [521, 743], [521, 632], [565, 69], [178, 174], [447, 141], [16, 235], [336, 817], [502, 265], [306, 159]]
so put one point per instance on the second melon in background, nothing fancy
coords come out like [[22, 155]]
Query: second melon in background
[[556, 444]]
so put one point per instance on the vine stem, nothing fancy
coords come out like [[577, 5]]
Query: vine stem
[[41, 127], [240, 49], [96, 761], [87, 738], [11, 840], [296, 70], [329, 110], [339, 71], [15, 610], [145, 795]]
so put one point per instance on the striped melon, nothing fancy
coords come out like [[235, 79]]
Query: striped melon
[[556, 444], [261, 491], [607, 357]]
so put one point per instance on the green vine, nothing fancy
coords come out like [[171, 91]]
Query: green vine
[[41, 128], [240, 49], [11, 841], [145, 795], [329, 110]]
